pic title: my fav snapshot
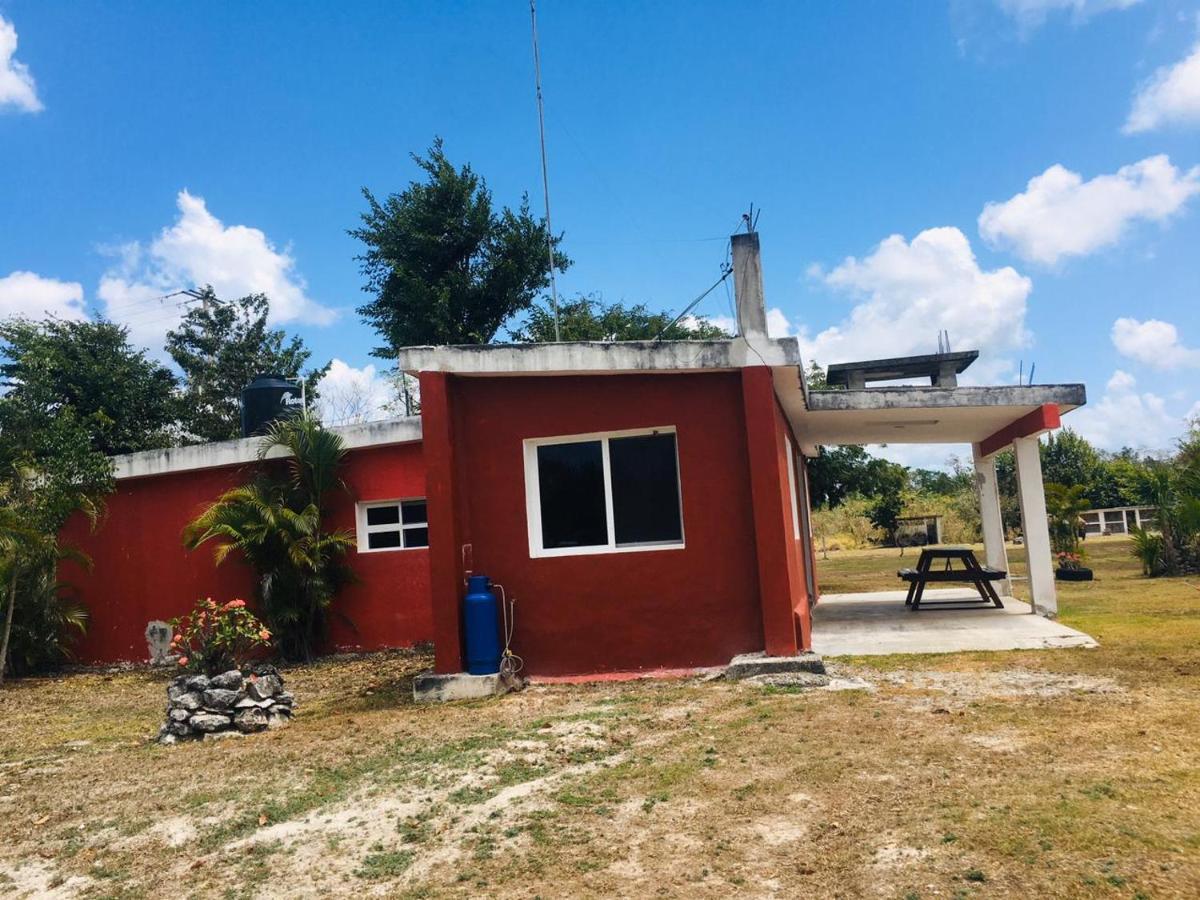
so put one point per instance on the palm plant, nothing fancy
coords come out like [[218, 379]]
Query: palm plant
[[29, 558], [277, 524], [1065, 507], [1148, 548]]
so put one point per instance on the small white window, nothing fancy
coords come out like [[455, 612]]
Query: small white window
[[392, 525], [603, 493]]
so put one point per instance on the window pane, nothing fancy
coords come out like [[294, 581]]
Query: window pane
[[414, 512], [383, 515], [416, 537], [382, 540], [645, 485], [571, 487]]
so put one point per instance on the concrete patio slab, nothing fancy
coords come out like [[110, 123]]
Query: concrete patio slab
[[879, 623]]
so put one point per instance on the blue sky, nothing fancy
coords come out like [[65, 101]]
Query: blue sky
[[1020, 172]]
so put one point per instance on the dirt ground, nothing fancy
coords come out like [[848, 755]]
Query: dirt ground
[[1063, 773]]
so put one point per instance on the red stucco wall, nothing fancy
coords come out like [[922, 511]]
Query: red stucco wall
[[698, 605], [142, 572]]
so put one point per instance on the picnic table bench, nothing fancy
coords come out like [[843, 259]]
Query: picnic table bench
[[970, 572]]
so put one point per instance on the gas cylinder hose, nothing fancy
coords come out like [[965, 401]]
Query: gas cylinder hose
[[510, 663]]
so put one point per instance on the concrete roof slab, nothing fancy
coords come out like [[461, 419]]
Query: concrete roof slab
[[919, 415], [245, 450], [598, 357]]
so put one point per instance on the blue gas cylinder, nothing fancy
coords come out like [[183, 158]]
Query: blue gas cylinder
[[481, 625]]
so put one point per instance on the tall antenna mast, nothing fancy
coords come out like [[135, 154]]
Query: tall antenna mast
[[537, 72]]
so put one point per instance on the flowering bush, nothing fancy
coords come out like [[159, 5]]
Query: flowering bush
[[216, 637], [1069, 560]]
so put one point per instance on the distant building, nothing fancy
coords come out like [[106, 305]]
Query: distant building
[[1119, 519]]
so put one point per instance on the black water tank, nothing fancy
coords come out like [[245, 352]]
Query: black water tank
[[267, 398]]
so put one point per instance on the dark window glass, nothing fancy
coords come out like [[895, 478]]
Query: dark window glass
[[416, 537], [571, 488], [382, 540], [645, 487], [414, 512], [383, 515]]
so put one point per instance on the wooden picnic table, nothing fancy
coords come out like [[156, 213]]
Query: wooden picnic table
[[969, 572]]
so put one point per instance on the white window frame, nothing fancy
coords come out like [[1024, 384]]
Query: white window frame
[[363, 529], [791, 473], [533, 502]]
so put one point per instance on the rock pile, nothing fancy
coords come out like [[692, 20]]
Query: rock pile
[[198, 706]]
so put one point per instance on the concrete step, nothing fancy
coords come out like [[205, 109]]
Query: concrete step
[[748, 665]]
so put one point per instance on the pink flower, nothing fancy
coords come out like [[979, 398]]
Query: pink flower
[[265, 635], [235, 604], [183, 660]]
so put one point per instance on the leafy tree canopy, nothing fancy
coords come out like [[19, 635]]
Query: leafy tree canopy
[[443, 265], [588, 318], [122, 400], [221, 345]]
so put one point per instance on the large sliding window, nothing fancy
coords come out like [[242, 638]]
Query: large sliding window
[[602, 493]]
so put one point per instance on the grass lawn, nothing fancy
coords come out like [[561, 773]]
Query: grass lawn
[[1064, 773]]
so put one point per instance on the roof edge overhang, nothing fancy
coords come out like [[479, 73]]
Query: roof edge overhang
[[602, 357], [172, 460], [918, 414]]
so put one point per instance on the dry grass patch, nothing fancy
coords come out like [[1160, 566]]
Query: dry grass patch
[[1060, 773]]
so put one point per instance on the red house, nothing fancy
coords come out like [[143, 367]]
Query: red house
[[646, 503]]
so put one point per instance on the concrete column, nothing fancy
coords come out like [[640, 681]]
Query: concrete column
[[748, 286], [445, 531], [1035, 526], [785, 614], [989, 513]]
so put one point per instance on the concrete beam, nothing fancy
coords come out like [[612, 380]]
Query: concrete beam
[[170, 460], [992, 521], [920, 397], [1035, 526], [1033, 424], [599, 357]]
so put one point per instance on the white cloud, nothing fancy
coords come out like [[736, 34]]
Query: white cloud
[[1060, 214], [1032, 13], [349, 395], [1126, 418], [31, 295], [1170, 97], [1154, 343], [911, 291], [16, 84], [199, 249]]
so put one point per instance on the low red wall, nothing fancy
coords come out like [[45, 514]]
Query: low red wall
[[142, 572], [620, 611]]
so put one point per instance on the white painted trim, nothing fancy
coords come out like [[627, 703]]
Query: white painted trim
[[245, 450], [791, 473], [533, 504], [362, 529]]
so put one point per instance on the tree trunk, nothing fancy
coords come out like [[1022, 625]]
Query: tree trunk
[[8, 620]]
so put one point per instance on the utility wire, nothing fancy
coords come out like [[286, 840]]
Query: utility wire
[[537, 70], [726, 271]]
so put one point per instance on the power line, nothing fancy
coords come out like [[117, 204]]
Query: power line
[[725, 273], [537, 70]]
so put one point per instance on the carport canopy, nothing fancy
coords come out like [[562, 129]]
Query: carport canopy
[[989, 419]]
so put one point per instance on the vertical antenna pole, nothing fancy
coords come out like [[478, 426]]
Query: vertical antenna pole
[[537, 72]]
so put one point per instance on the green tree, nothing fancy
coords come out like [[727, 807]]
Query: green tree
[[277, 523], [443, 265], [838, 472], [46, 475], [220, 345], [124, 401], [587, 318], [815, 378]]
